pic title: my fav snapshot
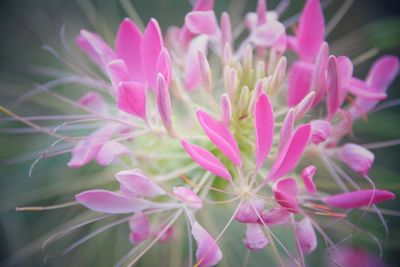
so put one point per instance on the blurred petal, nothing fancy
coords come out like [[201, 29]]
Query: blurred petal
[[138, 184], [320, 131], [306, 236], [164, 103], [333, 93], [246, 212], [267, 34], [286, 129], [193, 77], [203, 5], [356, 157], [94, 101], [299, 82], [164, 65], [189, 197], [132, 98], [117, 72], [358, 199], [285, 194], [307, 176], [140, 228], [226, 110], [110, 151], [226, 30], [202, 22], [255, 238], [304, 106], [275, 216], [207, 253]]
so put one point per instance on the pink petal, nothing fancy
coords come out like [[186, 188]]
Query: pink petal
[[246, 212], [275, 216], [96, 48], [334, 90], [356, 157], [255, 238], [206, 160], [266, 35], [261, 12], [358, 199], [203, 5], [304, 106], [264, 128], [383, 72], [164, 103], [311, 31], [138, 184], [152, 44], [93, 101], [110, 202], [226, 110], [117, 72], [307, 175], [132, 98], [290, 155], [193, 77], [202, 22], [320, 131], [208, 253], [299, 82], [286, 129], [226, 30], [166, 236], [220, 135], [189, 197], [164, 65], [140, 228], [319, 78], [285, 194], [127, 48], [363, 90], [110, 151], [345, 67], [306, 236]]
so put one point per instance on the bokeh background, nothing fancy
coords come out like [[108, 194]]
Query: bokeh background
[[27, 25]]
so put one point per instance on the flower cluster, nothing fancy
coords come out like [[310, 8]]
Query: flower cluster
[[193, 118]]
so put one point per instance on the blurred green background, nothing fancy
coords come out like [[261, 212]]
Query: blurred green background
[[26, 25]]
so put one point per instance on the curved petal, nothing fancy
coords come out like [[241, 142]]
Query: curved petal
[[94, 101], [255, 238], [110, 202], [117, 72], [299, 82], [206, 160], [220, 135], [266, 35], [358, 158], [307, 176], [140, 228], [285, 194], [320, 131], [306, 236], [164, 103], [110, 151], [193, 77], [132, 98], [188, 196], [358, 199], [164, 65], [246, 212], [383, 72], [275, 216], [136, 183], [264, 128], [202, 22], [208, 253], [286, 129], [290, 154]]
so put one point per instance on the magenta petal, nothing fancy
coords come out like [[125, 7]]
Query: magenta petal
[[285, 194], [290, 154], [117, 72], [261, 12], [264, 128], [286, 129], [319, 79], [363, 90], [334, 89], [304, 106], [132, 98], [358, 199], [110, 151], [202, 22], [220, 135], [307, 175], [94, 101], [203, 5], [246, 212], [320, 131], [193, 73], [164, 65], [127, 48], [299, 82], [358, 158], [255, 238], [189, 197], [208, 253], [275, 216], [164, 103], [140, 228], [311, 31], [306, 236], [138, 184], [110, 202], [383, 72], [152, 44], [206, 160]]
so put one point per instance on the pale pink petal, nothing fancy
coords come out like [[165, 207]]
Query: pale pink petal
[[226, 30], [246, 212], [193, 77], [93, 101], [127, 48], [352, 256], [275, 216], [286, 129], [307, 176], [311, 31], [166, 236], [334, 89], [266, 35], [132, 98], [206, 160], [358, 199], [261, 12], [304, 106], [285, 194], [203, 5], [164, 103], [164, 65], [383, 72], [345, 67], [208, 253], [189, 197], [290, 154], [110, 151], [306, 236], [202, 22], [299, 82], [356, 157], [96, 48], [140, 228], [255, 238], [226, 110], [138, 184], [152, 43], [220, 135], [320, 131], [264, 128], [110, 202], [117, 72], [319, 78], [250, 21]]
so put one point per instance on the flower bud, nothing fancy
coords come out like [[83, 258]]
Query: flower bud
[[320, 131], [358, 158], [226, 110]]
